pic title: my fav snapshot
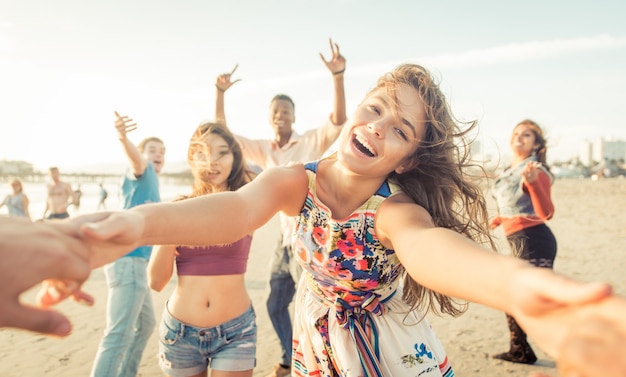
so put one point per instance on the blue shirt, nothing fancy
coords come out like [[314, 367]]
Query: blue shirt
[[138, 191], [15, 205]]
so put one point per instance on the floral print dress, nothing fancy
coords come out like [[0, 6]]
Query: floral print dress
[[350, 317]]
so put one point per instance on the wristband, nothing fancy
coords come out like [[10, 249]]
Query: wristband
[[339, 72], [220, 89]]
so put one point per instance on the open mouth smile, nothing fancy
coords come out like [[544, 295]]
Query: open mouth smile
[[363, 146]]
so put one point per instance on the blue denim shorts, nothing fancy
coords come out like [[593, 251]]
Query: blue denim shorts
[[186, 350]]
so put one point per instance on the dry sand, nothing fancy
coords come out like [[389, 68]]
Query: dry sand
[[590, 227]]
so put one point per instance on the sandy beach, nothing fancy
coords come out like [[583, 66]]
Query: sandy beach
[[589, 225]]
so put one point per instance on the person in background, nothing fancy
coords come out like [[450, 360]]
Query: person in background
[[210, 305], [522, 194], [103, 197], [78, 193], [130, 314], [17, 202], [287, 146], [394, 203], [60, 197]]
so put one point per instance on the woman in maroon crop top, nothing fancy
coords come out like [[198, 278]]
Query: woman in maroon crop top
[[199, 318]]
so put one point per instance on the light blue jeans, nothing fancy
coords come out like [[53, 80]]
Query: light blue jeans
[[129, 319], [282, 290], [186, 350]]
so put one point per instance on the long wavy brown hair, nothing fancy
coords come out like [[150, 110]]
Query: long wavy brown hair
[[440, 177]]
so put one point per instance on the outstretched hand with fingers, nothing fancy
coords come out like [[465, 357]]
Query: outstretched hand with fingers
[[595, 346], [44, 253], [223, 82], [548, 305], [107, 240], [337, 63], [123, 125], [109, 235]]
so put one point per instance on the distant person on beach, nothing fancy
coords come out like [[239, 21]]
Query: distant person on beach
[[286, 147], [522, 194], [210, 304], [78, 193], [130, 314], [17, 202], [60, 197], [393, 203], [103, 197]]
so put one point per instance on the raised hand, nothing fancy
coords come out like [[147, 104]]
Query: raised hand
[[123, 125], [337, 63], [223, 82]]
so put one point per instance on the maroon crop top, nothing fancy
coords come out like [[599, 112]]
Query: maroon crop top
[[229, 259]]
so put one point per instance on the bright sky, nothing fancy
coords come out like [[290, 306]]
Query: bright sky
[[66, 65]]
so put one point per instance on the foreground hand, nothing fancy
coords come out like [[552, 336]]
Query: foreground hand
[[596, 345], [109, 235], [549, 305], [53, 291], [32, 253]]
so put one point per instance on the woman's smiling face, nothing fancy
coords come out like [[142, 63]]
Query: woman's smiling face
[[384, 131], [213, 161]]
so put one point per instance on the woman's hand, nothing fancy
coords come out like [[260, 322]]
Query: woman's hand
[[595, 346], [106, 235], [531, 172], [549, 306], [32, 252]]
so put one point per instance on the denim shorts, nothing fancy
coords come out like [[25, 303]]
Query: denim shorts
[[186, 350]]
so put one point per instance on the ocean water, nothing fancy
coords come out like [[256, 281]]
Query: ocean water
[[37, 195]]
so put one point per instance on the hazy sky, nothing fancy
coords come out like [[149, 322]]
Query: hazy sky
[[66, 65]]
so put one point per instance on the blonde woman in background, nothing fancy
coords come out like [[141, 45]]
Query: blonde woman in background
[[17, 202]]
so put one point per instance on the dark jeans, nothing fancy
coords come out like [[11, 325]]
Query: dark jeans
[[536, 245], [282, 290]]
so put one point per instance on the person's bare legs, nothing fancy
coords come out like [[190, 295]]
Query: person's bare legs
[[223, 373]]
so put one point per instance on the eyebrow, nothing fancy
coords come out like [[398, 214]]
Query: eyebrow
[[408, 124]]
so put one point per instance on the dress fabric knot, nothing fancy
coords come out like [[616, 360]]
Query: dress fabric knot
[[358, 320]]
